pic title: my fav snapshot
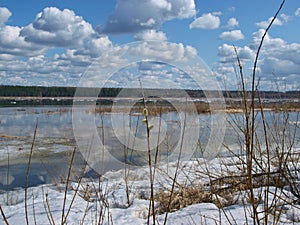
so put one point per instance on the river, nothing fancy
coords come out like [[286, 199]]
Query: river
[[55, 141]]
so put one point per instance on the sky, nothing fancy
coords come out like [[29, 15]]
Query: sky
[[53, 42]]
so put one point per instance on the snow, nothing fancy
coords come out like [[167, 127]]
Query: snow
[[86, 201]]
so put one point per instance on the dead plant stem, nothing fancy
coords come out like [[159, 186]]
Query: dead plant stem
[[149, 160], [63, 217], [3, 215], [27, 172]]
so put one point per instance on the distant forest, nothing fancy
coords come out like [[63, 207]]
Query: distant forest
[[38, 95], [39, 91]]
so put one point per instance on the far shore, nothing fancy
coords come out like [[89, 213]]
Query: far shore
[[157, 105]]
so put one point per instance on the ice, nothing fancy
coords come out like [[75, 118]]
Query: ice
[[107, 195]]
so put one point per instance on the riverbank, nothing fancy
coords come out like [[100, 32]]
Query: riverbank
[[114, 199]]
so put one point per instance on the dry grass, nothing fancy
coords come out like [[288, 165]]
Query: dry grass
[[181, 198], [232, 106], [6, 136], [222, 191]]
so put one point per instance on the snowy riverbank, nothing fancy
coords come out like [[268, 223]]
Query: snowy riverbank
[[106, 199]]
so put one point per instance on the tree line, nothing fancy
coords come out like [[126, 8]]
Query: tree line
[[40, 91]]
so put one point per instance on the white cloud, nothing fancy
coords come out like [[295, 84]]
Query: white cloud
[[148, 35], [233, 35], [217, 13], [95, 46], [6, 57], [162, 4], [131, 16], [269, 43], [227, 54], [232, 23], [161, 53], [23, 50], [41, 70], [51, 28], [277, 66], [285, 17], [279, 61], [71, 58], [297, 12], [265, 24], [165, 51], [4, 15], [282, 71], [13, 44], [16, 80], [206, 21], [149, 23], [54, 27]]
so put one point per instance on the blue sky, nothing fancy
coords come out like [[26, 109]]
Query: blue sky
[[48, 42]]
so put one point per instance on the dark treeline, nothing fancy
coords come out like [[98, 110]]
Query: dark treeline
[[36, 91], [39, 91]]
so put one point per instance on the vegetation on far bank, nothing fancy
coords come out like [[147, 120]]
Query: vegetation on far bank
[[42, 91], [38, 95]]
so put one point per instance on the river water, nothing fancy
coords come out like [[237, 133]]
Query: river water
[[55, 141]]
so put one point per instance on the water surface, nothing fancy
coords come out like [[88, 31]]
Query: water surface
[[55, 140]]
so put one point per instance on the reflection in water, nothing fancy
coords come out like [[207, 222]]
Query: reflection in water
[[55, 139]]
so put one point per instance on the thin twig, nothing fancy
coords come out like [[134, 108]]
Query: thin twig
[[49, 209], [33, 209], [253, 91], [3, 215], [176, 171], [28, 170], [49, 214], [7, 178], [145, 112], [63, 216]]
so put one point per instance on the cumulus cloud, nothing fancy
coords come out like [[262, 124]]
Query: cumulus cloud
[[283, 71], [270, 43], [153, 75], [71, 58], [132, 16], [232, 23], [59, 70], [165, 51], [233, 35], [279, 61], [59, 28], [266, 23], [206, 21], [51, 28], [23, 50], [12, 43], [227, 54], [282, 60], [159, 53], [149, 35], [95, 46], [4, 15], [279, 67]]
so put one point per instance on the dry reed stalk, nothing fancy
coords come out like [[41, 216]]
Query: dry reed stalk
[[152, 201], [63, 217], [3, 215], [253, 91], [176, 171], [28, 170]]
